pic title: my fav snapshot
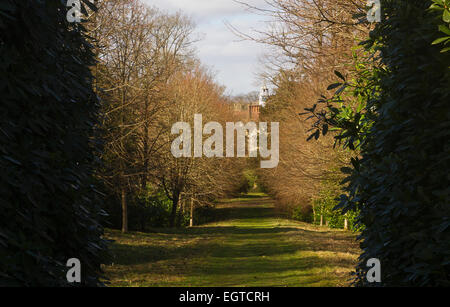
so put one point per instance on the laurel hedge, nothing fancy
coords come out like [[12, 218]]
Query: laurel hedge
[[401, 183], [49, 207], [395, 115]]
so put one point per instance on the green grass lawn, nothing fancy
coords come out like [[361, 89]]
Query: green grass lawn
[[250, 247]]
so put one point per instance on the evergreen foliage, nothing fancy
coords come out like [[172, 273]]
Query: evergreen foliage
[[49, 206], [399, 180]]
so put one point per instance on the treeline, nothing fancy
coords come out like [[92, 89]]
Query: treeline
[[309, 41], [387, 117], [149, 78]]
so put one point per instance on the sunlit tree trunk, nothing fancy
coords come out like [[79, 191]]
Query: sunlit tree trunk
[[173, 215], [124, 211], [314, 213], [146, 146], [191, 223]]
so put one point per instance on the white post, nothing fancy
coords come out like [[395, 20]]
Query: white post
[[191, 223]]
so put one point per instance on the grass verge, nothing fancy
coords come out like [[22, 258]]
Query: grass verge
[[250, 247]]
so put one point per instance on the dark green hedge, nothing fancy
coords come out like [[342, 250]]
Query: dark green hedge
[[401, 184], [400, 132], [49, 209]]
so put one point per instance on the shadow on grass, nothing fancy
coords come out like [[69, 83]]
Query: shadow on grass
[[238, 263], [261, 266], [237, 231], [244, 242], [227, 243], [250, 255], [242, 211]]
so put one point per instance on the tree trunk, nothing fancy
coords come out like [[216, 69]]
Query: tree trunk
[[180, 213], [146, 146], [191, 223], [124, 212], [321, 220], [173, 214], [314, 214], [346, 224]]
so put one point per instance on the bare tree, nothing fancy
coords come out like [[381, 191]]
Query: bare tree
[[139, 49], [196, 179], [309, 40]]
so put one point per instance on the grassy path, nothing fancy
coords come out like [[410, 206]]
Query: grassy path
[[250, 247]]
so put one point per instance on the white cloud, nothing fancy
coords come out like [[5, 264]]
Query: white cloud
[[205, 8], [234, 60]]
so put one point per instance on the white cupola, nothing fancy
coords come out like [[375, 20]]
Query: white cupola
[[263, 96]]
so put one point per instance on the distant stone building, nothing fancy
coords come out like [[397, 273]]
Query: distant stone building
[[251, 110], [263, 96]]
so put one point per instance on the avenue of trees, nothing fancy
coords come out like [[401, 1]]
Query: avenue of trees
[[310, 40], [148, 78]]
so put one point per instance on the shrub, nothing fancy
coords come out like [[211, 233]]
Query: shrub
[[336, 218], [248, 181], [303, 214], [401, 182], [399, 179], [50, 209], [146, 210], [324, 207]]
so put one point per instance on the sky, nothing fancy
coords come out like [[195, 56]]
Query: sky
[[235, 62]]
